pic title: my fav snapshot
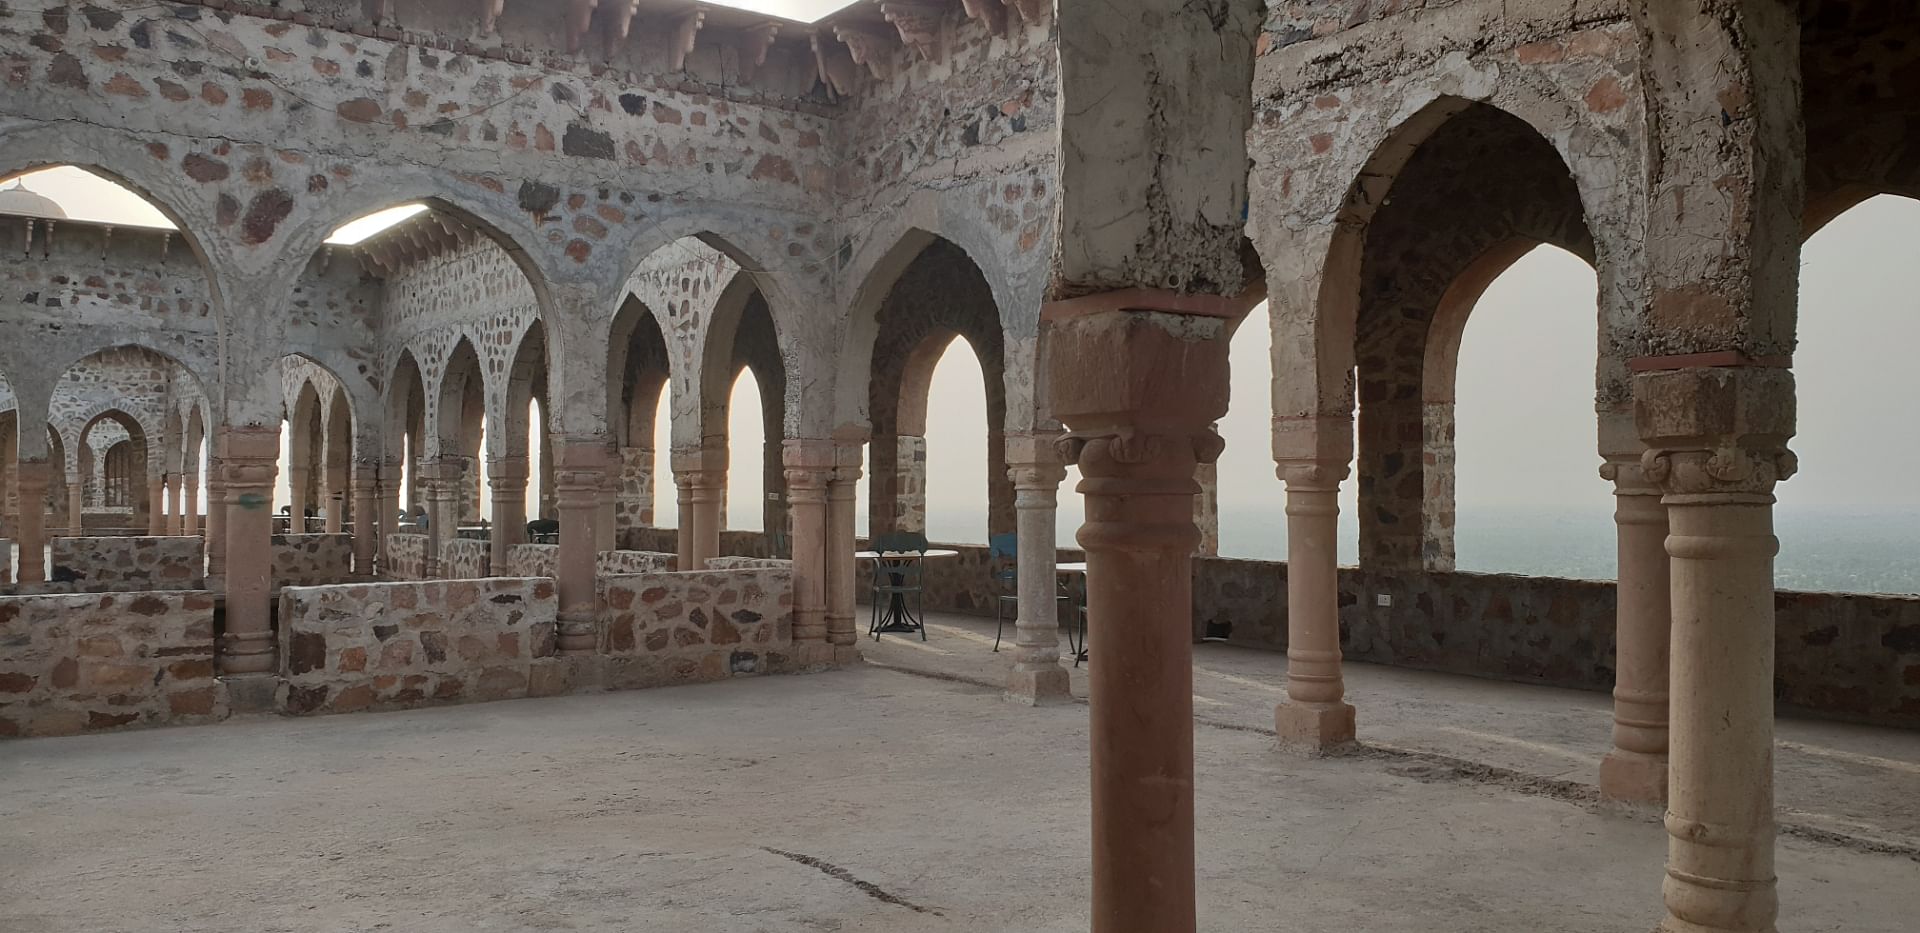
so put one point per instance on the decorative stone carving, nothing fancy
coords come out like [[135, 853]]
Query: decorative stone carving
[[686, 28], [835, 65], [752, 46], [869, 48], [920, 25]]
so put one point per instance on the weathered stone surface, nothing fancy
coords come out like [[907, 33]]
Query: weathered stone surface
[[312, 559], [102, 565], [79, 663], [467, 559], [392, 645], [539, 560], [666, 628], [406, 557]]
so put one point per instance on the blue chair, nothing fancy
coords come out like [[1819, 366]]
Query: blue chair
[[895, 579]]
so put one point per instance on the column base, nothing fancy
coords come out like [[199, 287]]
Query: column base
[[1039, 688], [1314, 729], [1634, 779], [818, 656], [252, 693]]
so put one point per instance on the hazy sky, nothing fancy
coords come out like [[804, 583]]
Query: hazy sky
[[1525, 430]]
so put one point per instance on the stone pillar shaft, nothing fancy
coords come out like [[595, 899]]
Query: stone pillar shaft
[[1635, 770], [606, 523], [579, 478], [1138, 389], [337, 493], [842, 570], [1315, 719], [216, 518], [809, 467], [683, 536], [190, 504], [31, 479], [1033, 464], [389, 507], [249, 462], [705, 471], [156, 507], [508, 478], [367, 521], [175, 523], [76, 507]]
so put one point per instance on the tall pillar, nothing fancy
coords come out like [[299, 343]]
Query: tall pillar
[[76, 506], [216, 537], [508, 478], [810, 464], [1716, 443], [579, 478], [606, 526], [683, 536], [1635, 770], [337, 494], [842, 569], [705, 468], [1315, 719], [176, 515], [31, 480], [249, 462], [389, 506], [1034, 465], [1138, 388], [190, 504], [368, 522], [299, 478], [156, 505], [439, 484]]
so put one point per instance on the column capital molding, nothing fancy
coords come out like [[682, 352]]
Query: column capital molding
[[1727, 473], [1125, 449], [1310, 475], [1716, 434]]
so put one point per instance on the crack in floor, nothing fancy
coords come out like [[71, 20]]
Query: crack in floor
[[840, 874]]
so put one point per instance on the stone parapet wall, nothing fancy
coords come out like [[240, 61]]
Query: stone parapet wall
[[467, 559], [608, 563], [532, 560], [130, 564], [396, 645], [406, 557], [83, 663], [312, 559], [748, 563], [667, 628], [650, 539]]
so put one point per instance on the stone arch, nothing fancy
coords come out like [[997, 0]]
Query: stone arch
[[405, 419], [639, 372], [938, 293]]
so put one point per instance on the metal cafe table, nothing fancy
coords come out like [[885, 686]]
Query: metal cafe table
[[898, 566]]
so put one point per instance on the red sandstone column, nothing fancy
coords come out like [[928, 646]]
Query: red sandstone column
[[1138, 389], [366, 517], [440, 485], [579, 477], [606, 524], [31, 477], [1718, 490], [809, 464], [389, 507], [216, 543], [250, 463], [508, 478], [76, 505], [683, 537], [1635, 771], [708, 469], [156, 506], [1036, 678], [176, 521], [190, 504], [842, 569], [1315, 719]]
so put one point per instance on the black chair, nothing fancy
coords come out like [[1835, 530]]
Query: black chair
[[542, 530], [895, 579]]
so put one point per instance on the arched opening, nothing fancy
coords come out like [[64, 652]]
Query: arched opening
[[456, 423], [110, 492], [1847, 520], [947, 403], [746, 437], [133, 391], [638, 380], [753, 410], [938, 296], [406, 428], [1503, 190]]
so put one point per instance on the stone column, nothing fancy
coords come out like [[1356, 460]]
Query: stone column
[[705, 468], [190, 504], [249, 461], [76, 506], [1315, 719], [1138, 389], [842, 570], [174, 523], [389, 511], [606, 528], [31, 480], [439, 484], [579, 478], [1206, 509], [1716, 440], [298, 477], [508, 478], [156, 506], [337, 492], [367, 520], [683, 536], [810, 464], [216, 542], [1035, 467], [1635, 770]]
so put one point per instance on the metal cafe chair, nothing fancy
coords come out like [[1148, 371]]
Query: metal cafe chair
[[895, 579]]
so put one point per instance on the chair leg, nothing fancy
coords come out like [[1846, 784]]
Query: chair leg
[[999, 620], [920, 610]]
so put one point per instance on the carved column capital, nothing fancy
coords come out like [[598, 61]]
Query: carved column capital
[[1716, 434], [1312, 475]]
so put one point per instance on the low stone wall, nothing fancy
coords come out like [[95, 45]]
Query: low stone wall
[[532, 560], [747, 563], [131, 564], [466, 559], [84, 663], [406, 557], [670, 628], [396, 645], [312, 560]]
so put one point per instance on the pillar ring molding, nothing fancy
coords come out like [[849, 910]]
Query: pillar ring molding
[[1719, 474], [1131, 446]]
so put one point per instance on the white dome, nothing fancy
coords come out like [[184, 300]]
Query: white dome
[[19, 200]]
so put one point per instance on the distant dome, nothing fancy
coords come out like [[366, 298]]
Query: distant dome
[[26, 203]]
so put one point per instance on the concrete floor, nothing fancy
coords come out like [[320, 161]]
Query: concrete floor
[[866, 799]]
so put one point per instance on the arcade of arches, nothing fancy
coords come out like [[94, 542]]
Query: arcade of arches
[[623, 210]]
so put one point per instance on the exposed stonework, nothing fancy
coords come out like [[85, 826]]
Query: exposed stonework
[[99, 565], [312, 559], [406, 557], [663, 628], [467, 559], [747, 563], [389, 645], [86, 663]]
